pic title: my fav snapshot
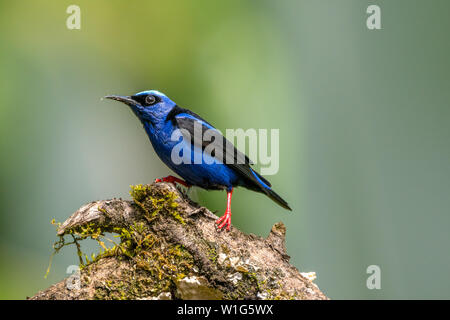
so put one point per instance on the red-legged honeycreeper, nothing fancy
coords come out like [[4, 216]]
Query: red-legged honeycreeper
[[161, 116]]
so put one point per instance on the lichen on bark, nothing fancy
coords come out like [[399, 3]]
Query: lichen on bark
[[169, 248]]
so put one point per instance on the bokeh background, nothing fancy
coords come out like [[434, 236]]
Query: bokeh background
[[364, 121]]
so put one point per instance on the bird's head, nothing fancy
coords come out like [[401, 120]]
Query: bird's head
[[149, 106]]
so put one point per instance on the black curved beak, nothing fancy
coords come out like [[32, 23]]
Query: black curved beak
[[125, 99]]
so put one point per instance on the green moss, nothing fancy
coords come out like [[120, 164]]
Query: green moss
[[154, 202], [154, 264], [212, 255]]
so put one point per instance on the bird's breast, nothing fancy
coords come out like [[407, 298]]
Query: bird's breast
[[183, 158]]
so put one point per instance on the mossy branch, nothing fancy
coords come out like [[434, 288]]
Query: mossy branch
[[169, 248]]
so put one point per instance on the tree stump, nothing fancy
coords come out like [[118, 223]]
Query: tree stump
[[170, 249]]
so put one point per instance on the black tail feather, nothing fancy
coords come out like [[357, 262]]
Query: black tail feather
[[261, 184], [275, 197]]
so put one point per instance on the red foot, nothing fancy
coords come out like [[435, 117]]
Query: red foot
[[173, 180], [225, 220]]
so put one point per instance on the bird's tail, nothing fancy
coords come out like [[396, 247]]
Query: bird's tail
[[275, 197], [266, 188]]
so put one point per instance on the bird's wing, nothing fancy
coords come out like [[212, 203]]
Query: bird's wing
[[191, 122]]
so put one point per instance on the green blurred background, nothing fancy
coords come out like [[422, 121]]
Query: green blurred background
[[363, 116]]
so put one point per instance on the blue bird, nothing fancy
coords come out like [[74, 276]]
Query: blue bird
[[161, 117]]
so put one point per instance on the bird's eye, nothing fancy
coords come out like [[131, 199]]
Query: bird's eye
[[149, 100]]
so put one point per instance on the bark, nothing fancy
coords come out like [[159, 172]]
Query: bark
[[170, 248]]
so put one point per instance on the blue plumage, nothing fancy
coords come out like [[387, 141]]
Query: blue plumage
[[162, 119]]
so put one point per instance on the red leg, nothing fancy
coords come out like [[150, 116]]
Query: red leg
[[173, 180], [226, 218]]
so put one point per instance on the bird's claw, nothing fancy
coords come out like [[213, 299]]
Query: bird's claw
[[225, 220], [174, 180]]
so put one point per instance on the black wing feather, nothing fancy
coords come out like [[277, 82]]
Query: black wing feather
[[228, 149]]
